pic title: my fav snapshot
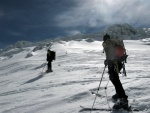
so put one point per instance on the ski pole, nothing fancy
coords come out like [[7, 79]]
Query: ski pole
[[106, 94], [98, 88]]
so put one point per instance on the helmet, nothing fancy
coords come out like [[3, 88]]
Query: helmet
[[105, 37]]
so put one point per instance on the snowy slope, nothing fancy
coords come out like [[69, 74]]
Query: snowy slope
[[76, 72]]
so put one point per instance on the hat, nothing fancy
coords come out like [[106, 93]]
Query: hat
[[48, 50], [105, 37]]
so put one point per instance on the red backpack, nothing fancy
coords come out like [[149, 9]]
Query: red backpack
[[120, 50]]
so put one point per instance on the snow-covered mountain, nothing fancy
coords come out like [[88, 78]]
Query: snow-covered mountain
[[124, 31], [76, 73]]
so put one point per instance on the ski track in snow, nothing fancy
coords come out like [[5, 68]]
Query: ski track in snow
[[76, 73]]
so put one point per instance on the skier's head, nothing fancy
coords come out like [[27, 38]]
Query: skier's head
[[48, 50], [106, 37]]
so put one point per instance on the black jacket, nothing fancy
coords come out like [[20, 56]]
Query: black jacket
[[49, 56]]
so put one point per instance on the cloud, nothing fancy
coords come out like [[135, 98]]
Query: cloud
[[73, 32], [39, 19], [96, 13]]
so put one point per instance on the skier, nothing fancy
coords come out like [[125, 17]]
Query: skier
[[49, 60], [115, 64]]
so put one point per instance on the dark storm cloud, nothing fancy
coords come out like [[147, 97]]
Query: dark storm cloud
[[31, 19], [38, 19]]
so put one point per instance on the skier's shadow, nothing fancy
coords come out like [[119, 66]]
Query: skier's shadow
[[34, 79]]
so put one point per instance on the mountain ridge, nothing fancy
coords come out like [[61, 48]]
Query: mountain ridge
[[123, 31]]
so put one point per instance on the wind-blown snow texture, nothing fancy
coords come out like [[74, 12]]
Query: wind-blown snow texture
[[76, 72]]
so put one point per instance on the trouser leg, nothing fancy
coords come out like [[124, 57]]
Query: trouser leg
[[49, 66], [114, 77]]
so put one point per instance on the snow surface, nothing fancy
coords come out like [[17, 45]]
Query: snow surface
[[76, 72]]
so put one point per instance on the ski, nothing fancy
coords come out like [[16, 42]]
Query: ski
[[44, 73], [104, 109], [93, 109], [107, 109]]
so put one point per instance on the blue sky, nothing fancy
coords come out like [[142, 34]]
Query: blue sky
[[35, 20]]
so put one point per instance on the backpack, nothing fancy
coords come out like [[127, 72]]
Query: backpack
[[53, 53], [120, 50], [119, 47]]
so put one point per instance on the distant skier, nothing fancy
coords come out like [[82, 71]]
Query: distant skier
[[115, 56], [50, 58]]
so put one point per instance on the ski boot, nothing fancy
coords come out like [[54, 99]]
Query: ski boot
[[48, 71], [121, 103]]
